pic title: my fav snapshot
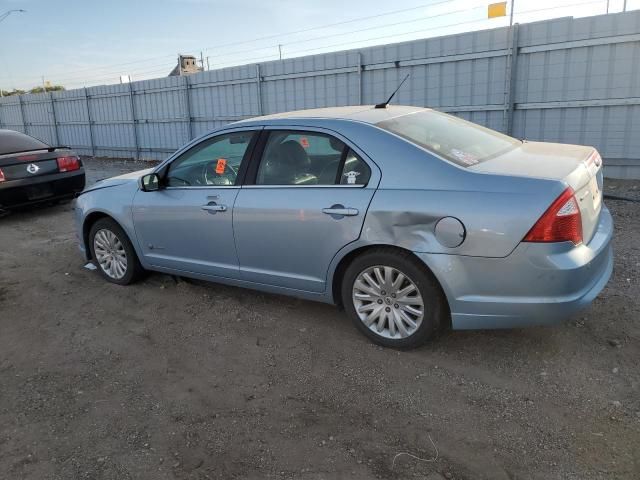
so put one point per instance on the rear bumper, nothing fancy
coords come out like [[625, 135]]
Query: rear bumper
[[23, 192], [537, 284]]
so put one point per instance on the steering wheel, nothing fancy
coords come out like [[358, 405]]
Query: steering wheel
[[212, 178]]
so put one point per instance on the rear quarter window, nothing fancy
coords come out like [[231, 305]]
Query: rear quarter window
[[461, 142], [12, 142]]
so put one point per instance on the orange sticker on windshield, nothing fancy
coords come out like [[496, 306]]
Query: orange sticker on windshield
[[304, 142], [220, 166]]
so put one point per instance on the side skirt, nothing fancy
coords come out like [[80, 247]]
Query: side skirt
[[290, 292]]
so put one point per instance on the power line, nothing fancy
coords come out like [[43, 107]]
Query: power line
[[285, 34], [279, 46], [9, 12], [433, 28], [363, 40], [109, 74], [166, 66], [145, 70], [331, 24], [351, 32], [557, 7], [115, 78], [407, 33]]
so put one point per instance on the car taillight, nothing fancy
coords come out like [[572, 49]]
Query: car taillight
[[68, 164], [1, 176], [561, 222]]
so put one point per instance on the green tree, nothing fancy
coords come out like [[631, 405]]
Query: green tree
[[6, 93], [49, 88]]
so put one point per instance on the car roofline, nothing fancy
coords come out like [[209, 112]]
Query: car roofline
[[292, 121], [351, 113]]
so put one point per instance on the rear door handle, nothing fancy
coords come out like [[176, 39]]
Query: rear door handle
[[341, 211]]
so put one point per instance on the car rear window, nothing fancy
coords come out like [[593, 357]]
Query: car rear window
[[12, 142], [461, 142]]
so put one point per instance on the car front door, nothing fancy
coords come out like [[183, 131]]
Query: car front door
[[304, 200], [187, 224]]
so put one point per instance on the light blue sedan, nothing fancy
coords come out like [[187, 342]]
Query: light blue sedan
[[410, 219]]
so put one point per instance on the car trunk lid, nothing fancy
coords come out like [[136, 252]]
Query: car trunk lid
[[578, 166], [29, 164]]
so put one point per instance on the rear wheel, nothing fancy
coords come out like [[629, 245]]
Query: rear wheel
[[392, 299], [113, 253]]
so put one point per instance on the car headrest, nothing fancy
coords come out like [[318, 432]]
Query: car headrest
[[290, 154]]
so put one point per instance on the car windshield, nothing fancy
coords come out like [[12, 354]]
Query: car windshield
[[461, 142], [12, 142]]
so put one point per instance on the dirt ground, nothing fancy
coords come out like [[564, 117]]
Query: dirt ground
[[170, 379]]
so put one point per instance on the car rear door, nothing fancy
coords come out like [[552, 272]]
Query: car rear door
[[187, 224], [306, 196]]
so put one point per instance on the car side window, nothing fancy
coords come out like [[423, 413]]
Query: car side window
[[300, 158], [355, 170], [213, 162]]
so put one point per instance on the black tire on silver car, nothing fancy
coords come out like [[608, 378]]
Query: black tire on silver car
[[113, 253], [393, 299]]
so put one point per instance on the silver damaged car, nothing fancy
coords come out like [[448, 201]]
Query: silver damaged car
[[410, 219]]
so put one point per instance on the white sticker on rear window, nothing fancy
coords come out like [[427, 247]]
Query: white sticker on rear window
[[467, 158], [351, 177]]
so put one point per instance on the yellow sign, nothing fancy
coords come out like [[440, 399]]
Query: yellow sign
[[497, 10]]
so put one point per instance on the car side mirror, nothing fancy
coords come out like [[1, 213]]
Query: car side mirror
[[150, 182]]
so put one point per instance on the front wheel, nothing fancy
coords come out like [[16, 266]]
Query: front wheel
[[392, 299], [113, 253]]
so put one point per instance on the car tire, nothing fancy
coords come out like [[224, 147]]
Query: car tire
[[115, 259], [390, 315]]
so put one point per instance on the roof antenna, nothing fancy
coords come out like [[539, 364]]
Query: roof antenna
[[384, 104]]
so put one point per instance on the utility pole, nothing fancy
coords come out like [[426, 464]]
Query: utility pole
[[44, 85], [201, 61], [280, 50], [511, 13], [607, 6], [624, 6], [207, 64]]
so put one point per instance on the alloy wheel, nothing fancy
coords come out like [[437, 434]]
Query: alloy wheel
[[110, 253], [388, 302]]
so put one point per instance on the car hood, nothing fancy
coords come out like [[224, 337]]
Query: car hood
[[119, 180]]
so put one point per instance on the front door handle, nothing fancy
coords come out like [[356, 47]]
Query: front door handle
[[341, 211], [213, 207]]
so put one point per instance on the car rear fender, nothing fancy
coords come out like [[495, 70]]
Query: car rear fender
[[496, 212], [578, 166]]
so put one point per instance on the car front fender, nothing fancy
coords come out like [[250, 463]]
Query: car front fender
[[114, 202]]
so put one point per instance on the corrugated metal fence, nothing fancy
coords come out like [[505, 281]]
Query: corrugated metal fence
[[563, 80]]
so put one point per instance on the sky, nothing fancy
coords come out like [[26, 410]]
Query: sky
[[78, 43]]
